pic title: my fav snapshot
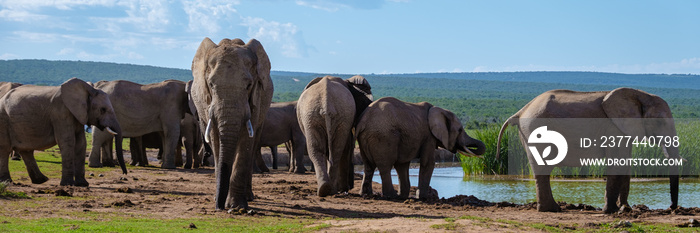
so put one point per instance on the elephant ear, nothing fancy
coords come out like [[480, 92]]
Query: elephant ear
[[263, 82], [200, 69], [360, 83], [624, 108], [440, 123], [75, 94], [191, 108], [313, 82]]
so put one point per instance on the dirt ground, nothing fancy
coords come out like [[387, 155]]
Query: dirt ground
[[181, 193]]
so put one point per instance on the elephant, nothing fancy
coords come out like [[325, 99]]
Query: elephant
[[392, 133], [190, 138], [39, 117], [142, 109], [328, 110], [618, 109], [232, 91], [281, 126], [4, 88]]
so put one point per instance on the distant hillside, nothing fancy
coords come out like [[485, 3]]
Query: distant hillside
[[476, 98], [44, 72], [594, 78]]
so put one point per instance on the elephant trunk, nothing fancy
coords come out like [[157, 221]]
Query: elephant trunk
[[473, 148], [118, 146], [229, 125], [673, 152]]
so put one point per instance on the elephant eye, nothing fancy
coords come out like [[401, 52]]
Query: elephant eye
[[103, 110]]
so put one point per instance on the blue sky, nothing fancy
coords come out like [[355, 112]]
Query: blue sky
[[366, 36]]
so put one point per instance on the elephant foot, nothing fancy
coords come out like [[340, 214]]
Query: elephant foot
[[237, 205], [39, 180], [90, 164], [609, 209], [324, 189], [548, 208], [134, 163], [171, 166], [6, 179], [188, 165], [67, 182], [81, 182]]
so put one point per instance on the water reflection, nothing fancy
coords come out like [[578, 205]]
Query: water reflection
[[450, 181]]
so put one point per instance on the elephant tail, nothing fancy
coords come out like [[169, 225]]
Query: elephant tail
[[513, 120]]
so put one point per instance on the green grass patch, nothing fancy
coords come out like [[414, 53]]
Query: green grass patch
[[138, 224], [4, 193], [446, 226]]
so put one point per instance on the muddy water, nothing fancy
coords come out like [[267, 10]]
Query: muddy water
[[450, 181]]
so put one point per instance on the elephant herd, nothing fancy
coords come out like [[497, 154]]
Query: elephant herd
[[226, 111]]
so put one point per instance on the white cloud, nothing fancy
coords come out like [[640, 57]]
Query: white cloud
[[21, 15], [284, 35], [8, 56], [204, 16], [335, 5]]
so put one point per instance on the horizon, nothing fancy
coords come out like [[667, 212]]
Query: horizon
[[313, 72], [364, 37]]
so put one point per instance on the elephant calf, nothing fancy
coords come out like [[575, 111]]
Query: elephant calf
[[39, 117], [392, 133], [281, 126]]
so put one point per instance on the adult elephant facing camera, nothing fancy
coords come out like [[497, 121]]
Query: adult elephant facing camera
[[327, 110], [625, 107], [392, 133], [39, 117], [232, 91], [142, 109]]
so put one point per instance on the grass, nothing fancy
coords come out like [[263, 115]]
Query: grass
[[4, 193], [145, 224]]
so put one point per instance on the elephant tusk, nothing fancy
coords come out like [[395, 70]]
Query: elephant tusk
[[469, 153], [250, 129], [669, 156], [111, 131], [207, 131]]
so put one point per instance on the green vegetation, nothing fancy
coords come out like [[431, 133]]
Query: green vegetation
[[126, 223], [4, 193]]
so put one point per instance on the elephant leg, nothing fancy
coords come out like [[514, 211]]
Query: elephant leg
[[260, 166], [317, 148], [404, 182], [427, 164], [178, 155], [367, 177], [613, 187], [189, 153], [387, 186], [340, 156], [5, 163], [170, 138], [32, 168], [624, 190], [240, 182], [78, 160], [107, 155], [99, 138], [135, 146], [296, 150], [545, 200], [67, 149], [15, 156], [273, 151]]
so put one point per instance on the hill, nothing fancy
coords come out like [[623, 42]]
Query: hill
[[477, 98]]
